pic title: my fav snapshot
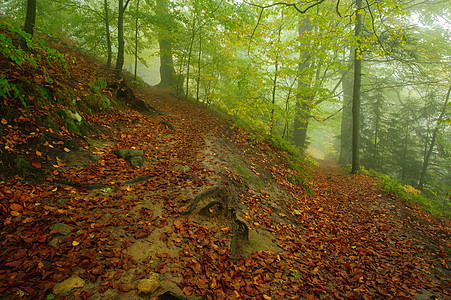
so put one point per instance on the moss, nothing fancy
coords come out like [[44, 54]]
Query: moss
[[23, 166], [44, 96], [248, 176]]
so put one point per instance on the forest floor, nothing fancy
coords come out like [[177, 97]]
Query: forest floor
[[212, 211], [114, 238]]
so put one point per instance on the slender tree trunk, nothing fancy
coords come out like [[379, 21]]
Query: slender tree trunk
[[303, 97], [136, 38], [108, 36], [404, 160], [356, 93], [199, 64], [346, 122], [120, 35], [274, 87], [180, 77], [189, 56], [374, 162], [274, 83], [432, 144]]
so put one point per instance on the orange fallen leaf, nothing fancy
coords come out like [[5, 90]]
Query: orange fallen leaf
[[36, 164], [16, 207], [38, 153], [67, 150], [4, 122]]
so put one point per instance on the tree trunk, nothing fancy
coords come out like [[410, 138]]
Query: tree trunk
[[120, 35], [199, 64], [375, 162], [431, 146], [30, 18], [346, 122], [404, 154], [274, 86], [356, 93], [136, 39], [303, 97], [30, 21], [189, 56], [108, 36], [167, 71]]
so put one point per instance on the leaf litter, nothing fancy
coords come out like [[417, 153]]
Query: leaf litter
[[344, 240]]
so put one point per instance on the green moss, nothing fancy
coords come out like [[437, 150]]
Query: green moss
[[23, 166], [395, 187], [248, 176]]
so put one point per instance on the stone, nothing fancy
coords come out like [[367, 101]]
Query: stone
[[136, 161], [181, 168], [62, 228], [54, 242], [127, 153], [134, 157], [67, 286], [148, 286]]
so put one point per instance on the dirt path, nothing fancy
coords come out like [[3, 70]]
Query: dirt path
[[384, 235], [134, 241]]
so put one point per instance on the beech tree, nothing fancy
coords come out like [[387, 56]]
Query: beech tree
[[167, 71], [120, 35]]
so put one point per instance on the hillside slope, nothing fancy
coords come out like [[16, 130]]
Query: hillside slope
[[204, 211]]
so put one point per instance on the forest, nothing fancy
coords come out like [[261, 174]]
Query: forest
[[288, 69], [278, 115]]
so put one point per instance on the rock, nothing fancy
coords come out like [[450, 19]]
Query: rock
[[62, 228], [181, 168], [148, 286], [54, 242], [67, 286], [134, 157], [136, 161]]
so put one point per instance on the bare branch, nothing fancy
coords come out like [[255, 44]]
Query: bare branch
[[373, 27], [255, 28], [302, 11]]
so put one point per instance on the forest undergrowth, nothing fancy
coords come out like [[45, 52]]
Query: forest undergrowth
[[78, 222]]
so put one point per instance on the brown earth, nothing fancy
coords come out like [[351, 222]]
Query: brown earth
[[348, 240]]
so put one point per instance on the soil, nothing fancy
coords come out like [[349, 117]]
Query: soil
[[344, 240]]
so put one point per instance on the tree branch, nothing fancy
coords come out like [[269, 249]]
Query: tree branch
[[302, 11]]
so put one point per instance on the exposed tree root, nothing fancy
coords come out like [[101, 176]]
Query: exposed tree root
[[216, 202]]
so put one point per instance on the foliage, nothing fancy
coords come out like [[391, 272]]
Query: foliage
[[439, 206], [97, 100]]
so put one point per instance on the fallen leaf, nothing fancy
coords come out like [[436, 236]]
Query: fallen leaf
[[36, 165], [4, 122], [15, 207], [75, 243], [67, 150]]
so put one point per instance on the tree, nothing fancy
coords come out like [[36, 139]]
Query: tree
[[136, 37], [108, 37], [304, 95], [30, 21], [433, 139], [120, 35], [346, 120], [356, 91], [167, 71]]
